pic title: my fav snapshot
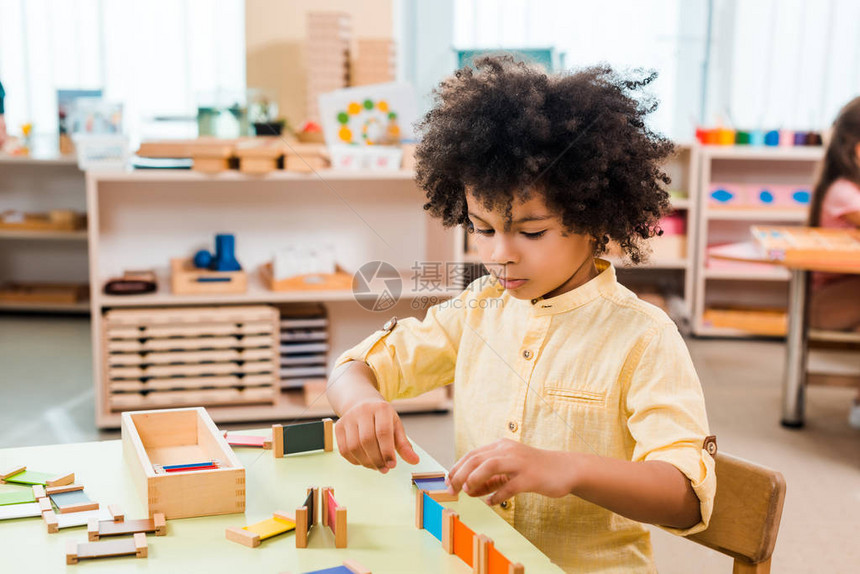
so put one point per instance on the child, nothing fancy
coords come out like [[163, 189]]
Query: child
[[578, 411], [834, 301]]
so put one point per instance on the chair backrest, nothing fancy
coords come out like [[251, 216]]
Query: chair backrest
[[747, 511]]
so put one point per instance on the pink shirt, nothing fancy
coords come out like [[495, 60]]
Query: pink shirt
[[841, 198]]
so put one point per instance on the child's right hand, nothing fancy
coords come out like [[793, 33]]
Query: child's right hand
[[371, 434]]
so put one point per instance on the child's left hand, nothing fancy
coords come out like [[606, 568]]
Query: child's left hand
[[505, 468]]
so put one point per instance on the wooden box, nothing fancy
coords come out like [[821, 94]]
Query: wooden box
[[180, 436], [340, 279], [51, 293], [186, 279], [56, 220], [260, 155]]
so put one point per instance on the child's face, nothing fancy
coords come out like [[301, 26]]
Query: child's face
[[533, 255]]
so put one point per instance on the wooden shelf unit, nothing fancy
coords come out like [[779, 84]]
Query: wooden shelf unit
[[139, 220], [39, 184], [721, 285], [672, 275]]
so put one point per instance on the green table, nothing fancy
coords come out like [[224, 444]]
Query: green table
[[382, 533]]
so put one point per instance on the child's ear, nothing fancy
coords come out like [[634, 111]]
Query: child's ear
[[857, 152]]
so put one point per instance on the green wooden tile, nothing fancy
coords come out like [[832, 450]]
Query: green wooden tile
[[17, 497], [31, 477], [303, 437]]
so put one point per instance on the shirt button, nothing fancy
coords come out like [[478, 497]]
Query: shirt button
[[504, 504], [513, 426], [527, 354]]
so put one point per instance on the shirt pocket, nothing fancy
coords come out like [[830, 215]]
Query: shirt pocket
[[575, 397]]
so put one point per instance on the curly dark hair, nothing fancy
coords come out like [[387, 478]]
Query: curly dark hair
[[504, 130]]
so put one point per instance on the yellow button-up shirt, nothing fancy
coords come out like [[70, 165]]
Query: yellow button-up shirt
[[594, 370]]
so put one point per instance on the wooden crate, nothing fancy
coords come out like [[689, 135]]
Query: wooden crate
[[191, 356], [186, 279], [180, 436]]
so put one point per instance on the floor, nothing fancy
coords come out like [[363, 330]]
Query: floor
[[47, 397]]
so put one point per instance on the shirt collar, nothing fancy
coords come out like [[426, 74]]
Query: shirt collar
[[604, 283]]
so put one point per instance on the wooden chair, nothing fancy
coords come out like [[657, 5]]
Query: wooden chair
[[747, 511]]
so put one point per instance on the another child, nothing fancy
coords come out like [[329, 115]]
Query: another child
[[835, 299], [578, 412]]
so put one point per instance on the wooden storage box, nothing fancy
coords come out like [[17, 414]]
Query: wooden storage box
[[260, 155], [186, 279], [56, 220], [52, 293], [340, 279], [201, 356], [180, 436]]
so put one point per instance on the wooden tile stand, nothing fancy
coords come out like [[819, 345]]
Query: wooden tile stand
[[253, 534], [107, 548], [434, 484], [70, 498], [20, 475], [55, 522], [302, 437], [349, 567], [334, 516], [476, 550], [97, 528], [250, 441], [28, 509], [306, 517]]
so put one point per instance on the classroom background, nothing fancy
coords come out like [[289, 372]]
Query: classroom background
[[222, 164]]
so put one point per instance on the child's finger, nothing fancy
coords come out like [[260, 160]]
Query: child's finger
[[464, 459], [404, 447], [491, 485], [356, 449], [343, 443], [370, 444], [493, 466], [470, 462], [385, 439]]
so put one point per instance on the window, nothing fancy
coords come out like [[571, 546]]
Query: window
[[156, 57]]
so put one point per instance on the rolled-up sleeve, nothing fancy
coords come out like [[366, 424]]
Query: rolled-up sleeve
[[666, 414], [414, 356]]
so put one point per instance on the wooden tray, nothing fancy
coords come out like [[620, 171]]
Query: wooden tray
[[340, 280], [183, 148], [186, 279], [57, 220], [43, 293], [765, 322]]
